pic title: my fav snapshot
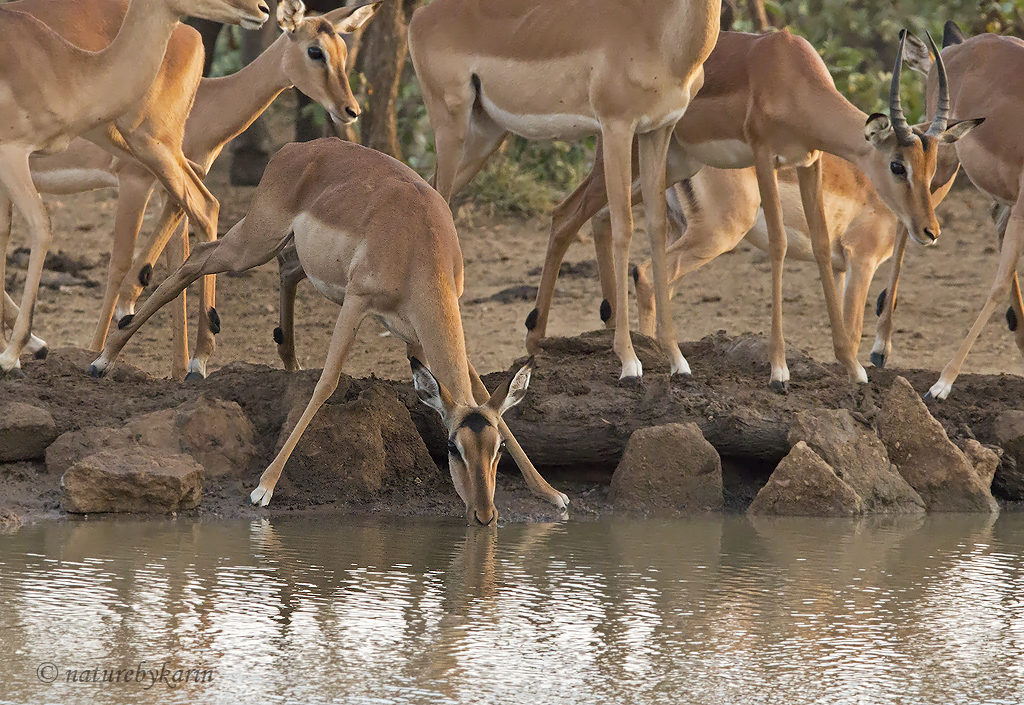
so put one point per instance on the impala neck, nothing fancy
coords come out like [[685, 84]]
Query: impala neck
[[119, 75], [839, 129], [226, 106]]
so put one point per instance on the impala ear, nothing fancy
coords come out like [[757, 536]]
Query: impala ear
[[878, 130], [958, 129], [430, 391], [290, 14], [349, 19], [513, 391], [916, 55]]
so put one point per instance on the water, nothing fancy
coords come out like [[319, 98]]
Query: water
[[708, 610]]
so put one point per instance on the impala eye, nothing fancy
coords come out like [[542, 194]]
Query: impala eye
[[453, 449], [316, 53], [898, 168]]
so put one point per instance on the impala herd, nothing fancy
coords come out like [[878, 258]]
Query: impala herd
[[723, 135]]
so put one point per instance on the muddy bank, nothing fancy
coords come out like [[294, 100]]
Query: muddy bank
[[574, 423]]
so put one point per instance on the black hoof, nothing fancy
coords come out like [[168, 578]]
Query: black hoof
[[13, 373], [125, 321], [630, 381], [779, 387], [41, 353], [678, 376], [194, 376], [146, 275], [928, 395], [531, 320], [1011, 319], [878, 360], [606, 311], [214, 320], [278, 335], [95, 371]]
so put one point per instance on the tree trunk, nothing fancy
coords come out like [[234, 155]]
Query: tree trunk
[[758, 15], [384, 48]]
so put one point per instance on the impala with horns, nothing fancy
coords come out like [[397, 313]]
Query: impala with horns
[[311, 55], [375, 238], [71, 91], [993, 159], [744, 116], [565, 69]]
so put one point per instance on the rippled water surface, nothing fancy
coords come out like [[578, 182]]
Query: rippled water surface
[[709, 610]]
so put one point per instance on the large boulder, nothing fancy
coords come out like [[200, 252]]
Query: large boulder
[[858, 457], [805, 485], [25, 431], [215, 432], [356, 449], [135, 479], [670, 467], [942, 474], [1008, 430]]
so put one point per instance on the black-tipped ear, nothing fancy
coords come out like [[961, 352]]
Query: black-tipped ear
[[952, 34], [513, 391], [349, 19], [958, 129], [430, 391], [878, 129]]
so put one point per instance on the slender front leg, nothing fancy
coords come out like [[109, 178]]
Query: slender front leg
[[291, 273], [1008, 257], [814, 209], [208, 323], [353, 310], [601, 231], [617, 141], [135, 185], [653, 152], [8, 311], [886, 307], [16, 180], [537, 484], [861, 270], [1017, 307], [140, 272], [177, 253], [768, 186]]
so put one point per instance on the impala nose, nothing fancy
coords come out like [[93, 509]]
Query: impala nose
[[489, 519], [930, 236], [264, 8], [351, 112]]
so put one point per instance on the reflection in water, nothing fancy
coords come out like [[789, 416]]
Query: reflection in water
[[701, 610]]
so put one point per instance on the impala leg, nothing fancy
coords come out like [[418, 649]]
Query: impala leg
[[16, 180], [449, 117], [1008, 257], [617, 141], [537, 484], [291, 273], [601, 231], [135, 185], [241, 249], [8, 310], [886, 307], [768, 185], [176, 256], [566, 220], [140, 272], [353, 310], [483, 138], [814, 208], [1017, 305], [208, 324], [855, 294]]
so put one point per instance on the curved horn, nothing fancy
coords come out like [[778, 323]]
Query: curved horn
[[904, 135], [941, 120]]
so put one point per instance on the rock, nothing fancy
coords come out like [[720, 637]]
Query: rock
[[215, 432], [25, 431], [858, 457], [985, 460], [670, 467], [356, 449], [1008, 430], [9, 520], [132, 480], [805, 485], [940, 472]]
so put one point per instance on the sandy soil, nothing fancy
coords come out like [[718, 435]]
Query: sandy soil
[[942, 291]]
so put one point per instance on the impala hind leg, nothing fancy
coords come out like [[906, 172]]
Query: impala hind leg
[[140, 271], [177, 253], [814, 209], [16, 180], [291, 273], [353, 310], [241, 249], [135, 186], [886, 305], [1009, 255], [768, 185], [1015, 315], [537, 484], [208, 320]]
